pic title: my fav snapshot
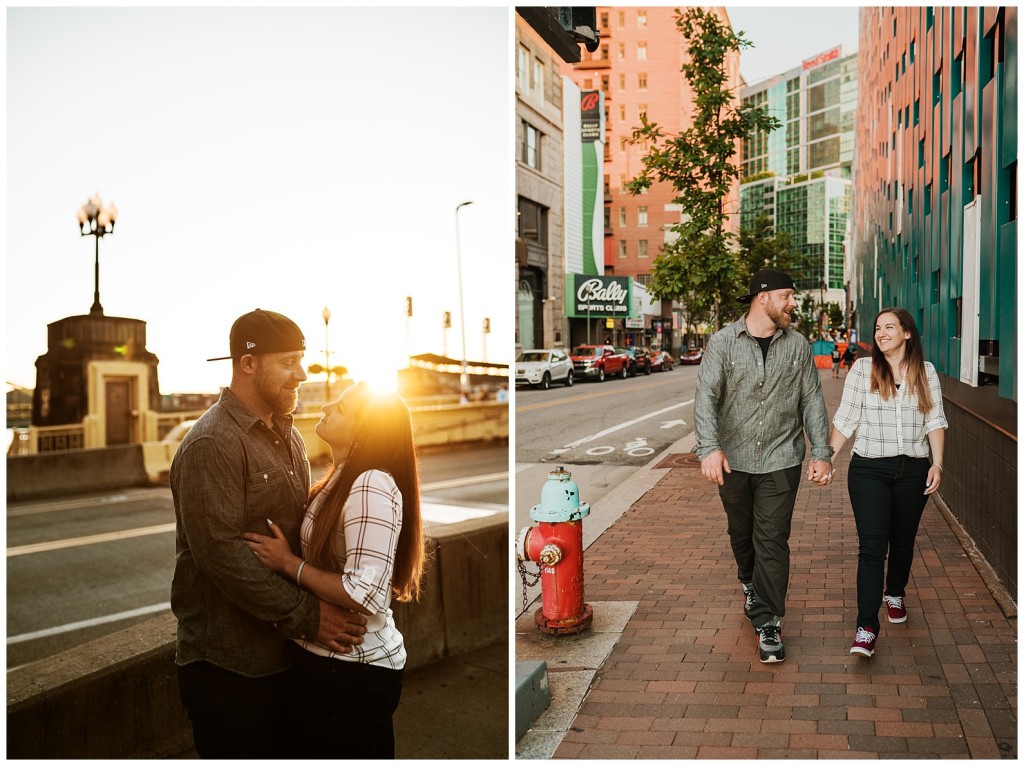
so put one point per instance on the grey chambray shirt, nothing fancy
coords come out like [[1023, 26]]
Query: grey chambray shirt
[[230, 474], [756, 411]]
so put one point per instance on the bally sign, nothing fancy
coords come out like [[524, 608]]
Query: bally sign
[[601, 296], [590, 115]]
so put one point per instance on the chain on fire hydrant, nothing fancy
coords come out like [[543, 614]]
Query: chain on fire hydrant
[[557, 545]]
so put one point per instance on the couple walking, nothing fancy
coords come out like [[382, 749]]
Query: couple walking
[[758, 392], [287, 645]]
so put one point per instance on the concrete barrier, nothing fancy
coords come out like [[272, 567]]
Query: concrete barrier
[[117, 696], [50, 474]]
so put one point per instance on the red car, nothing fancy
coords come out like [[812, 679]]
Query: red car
[[692, 356], [661, 361]]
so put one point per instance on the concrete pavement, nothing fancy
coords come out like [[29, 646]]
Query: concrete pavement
[[671, 670]]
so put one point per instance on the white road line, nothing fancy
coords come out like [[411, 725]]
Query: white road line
[[627, 424], [74, 542], [56, 631], [463, 482]]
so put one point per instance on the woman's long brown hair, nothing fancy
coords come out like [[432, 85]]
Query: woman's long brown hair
[[382, 439], [916, 379]]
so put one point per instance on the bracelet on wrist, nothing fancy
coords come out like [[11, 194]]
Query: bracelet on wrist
[[298, 574], [936, 465]]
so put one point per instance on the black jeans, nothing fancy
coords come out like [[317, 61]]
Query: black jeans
[[342, 709], [888, 499], [759, 507], [234, 716]]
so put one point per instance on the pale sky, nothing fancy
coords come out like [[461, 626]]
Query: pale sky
[[783, 36], [284, 159]]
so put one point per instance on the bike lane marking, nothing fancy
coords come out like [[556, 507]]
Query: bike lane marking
[[619, 427]]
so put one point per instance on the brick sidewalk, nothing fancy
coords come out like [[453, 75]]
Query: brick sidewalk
[[684, 680]]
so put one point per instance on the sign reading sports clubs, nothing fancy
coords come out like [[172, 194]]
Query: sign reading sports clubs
[[601, 296]]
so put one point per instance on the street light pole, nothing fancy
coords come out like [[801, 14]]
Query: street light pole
[[464, 377], [327, 356], [96, 221]]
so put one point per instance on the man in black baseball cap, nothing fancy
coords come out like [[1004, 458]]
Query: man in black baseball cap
[[758, 392], [242, 463]]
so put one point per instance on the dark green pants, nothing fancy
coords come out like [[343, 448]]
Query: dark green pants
[[759, 507]]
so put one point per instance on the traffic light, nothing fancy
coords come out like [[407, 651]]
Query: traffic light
[[487, 324], [408, 305], [447, 320]]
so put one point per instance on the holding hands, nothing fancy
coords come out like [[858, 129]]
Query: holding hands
[[820, 472]]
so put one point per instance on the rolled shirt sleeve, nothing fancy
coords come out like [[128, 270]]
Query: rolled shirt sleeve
[[372, 522]]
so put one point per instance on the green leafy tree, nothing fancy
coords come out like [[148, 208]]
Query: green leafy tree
[[698, 163]]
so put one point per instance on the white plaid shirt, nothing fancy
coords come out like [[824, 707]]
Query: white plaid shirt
[[887, 428], [364, 549]]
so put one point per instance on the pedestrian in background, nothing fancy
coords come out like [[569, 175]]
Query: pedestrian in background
[[849, 356], [758, 392], [362, 545], [893, 401], [836, 359], [241, 462]]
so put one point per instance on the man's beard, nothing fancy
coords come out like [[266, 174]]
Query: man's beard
[[781, 319], [281, 401]]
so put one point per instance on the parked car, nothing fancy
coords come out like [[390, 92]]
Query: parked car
[[691, 356], [540, 367], [639, 360], [661, 361], [598, 362]]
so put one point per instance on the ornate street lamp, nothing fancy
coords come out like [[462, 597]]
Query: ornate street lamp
[[464, 377], [97, 221]]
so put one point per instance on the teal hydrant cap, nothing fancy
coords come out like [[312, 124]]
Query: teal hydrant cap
[[559, 499]]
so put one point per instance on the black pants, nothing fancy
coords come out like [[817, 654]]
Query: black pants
[[342, 709], [759, 507], [234, 716], [888, 499]]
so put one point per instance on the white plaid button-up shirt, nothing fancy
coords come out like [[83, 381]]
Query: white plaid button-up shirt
[[887, 428]]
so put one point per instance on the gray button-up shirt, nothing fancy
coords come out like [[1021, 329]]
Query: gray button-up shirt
[[756, 411], [230, 474]]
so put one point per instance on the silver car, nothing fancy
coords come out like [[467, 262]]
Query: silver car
[[540, 367]]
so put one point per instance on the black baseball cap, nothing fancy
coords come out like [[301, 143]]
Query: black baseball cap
[[767, 279], [263, 332]]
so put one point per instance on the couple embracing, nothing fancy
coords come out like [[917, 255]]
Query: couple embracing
[[287, 645]]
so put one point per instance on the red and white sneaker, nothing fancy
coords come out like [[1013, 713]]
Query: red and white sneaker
[[894, 605], [863, 642]]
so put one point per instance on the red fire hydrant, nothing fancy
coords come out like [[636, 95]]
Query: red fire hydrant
[[557, 546]]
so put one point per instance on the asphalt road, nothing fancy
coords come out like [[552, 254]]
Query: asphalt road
[[81, 567]]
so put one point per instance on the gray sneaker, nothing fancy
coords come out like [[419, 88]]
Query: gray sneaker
[[769, 641]]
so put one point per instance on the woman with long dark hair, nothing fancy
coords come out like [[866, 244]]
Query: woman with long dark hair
[[893, 401], [362, 546]]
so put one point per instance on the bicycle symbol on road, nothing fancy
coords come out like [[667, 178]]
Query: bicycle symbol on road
[[636, 448]]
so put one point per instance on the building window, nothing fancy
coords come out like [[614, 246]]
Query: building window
[[604, 83], [622, 19], [622, 216], [641, 51], [622, 50], [532, 222], [641, 111], [622, 82], [531, 146], [522, 68], [622, 112], [604, 21], [641, 19], [641, 248], [622, 182], [622, 143], [604, 52], [641, 81], [622, 248], [641, 216], [538, 79]]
